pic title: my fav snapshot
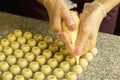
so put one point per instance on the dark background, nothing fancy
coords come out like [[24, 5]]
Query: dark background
[[13, 6]]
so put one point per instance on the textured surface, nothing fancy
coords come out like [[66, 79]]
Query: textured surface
[[105, 66]]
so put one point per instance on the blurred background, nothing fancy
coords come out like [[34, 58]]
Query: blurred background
[[14, 7]]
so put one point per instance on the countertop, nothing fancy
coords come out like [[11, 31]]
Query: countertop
[[105, 66]]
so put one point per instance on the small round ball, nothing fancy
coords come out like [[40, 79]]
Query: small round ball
[[11, 60], [53, 48], [94, 51], [21, 40], [19, 77], [22, 63], [18, 33], [51, 62], [37, 37], [27, 35], [11, 37], [42, 45], [34, 66], [25, 48], [71, 76], [26, 73], [2, 56], [29, 56], [7, 76], [4, 42], [65, 66], [4, 66], [14, 45], [51, 77], [71, 60], [58, 56], [8, 51], [1, 48], [47, 53], [58, 73], [46, 69], [41, 60], [59, 43], [48, 39], [31, 42], [77, 69], [39, 76], [64, 50], [83, 63], [15, 69], [88, 56], [18, 53], [36, 51]]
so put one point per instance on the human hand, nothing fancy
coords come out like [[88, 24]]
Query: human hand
[[90, 20]]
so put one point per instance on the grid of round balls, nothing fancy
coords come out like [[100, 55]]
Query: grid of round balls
[[24, 56]]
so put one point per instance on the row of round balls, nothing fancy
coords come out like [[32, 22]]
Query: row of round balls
[[24, 56]]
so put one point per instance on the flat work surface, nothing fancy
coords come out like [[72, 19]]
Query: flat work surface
[[105, 66]]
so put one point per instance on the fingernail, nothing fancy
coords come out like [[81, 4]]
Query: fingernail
[[78, 51], [72, 27]]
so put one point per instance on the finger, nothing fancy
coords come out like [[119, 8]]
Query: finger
[[55, 23], [67, 17], [65, 38]]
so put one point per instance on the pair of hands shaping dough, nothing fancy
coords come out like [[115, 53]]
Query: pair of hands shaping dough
[[90, 20]]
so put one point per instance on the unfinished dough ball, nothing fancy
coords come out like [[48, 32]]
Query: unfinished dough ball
[[71, 76], [41, 60], [4, 66], [46, 69], [77, 69], [18, 53], [94, 51], [22, 63], [25, 48], [34, 66], [27, 35], [71, 60], [47, 53], [51, 77], [88, 56], [7, 75], [11, 37], [38, 37], [4, 42], [65, 66], [18, 33], [31, 42], [21, 40], [2, 56], [59, 43], [58, 72], [52, 63], [36, 51], [83, 63], [39, 76], [48, 39], [8, 51], [29, 56], [19, 77], [26, 73], [15, 69], [14, 45], [64, 50], [53, 48], [58, 56], [42, 45], [11, 60]]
